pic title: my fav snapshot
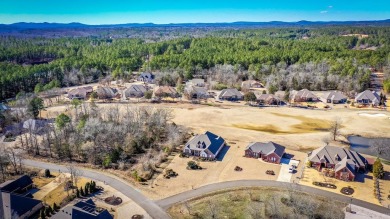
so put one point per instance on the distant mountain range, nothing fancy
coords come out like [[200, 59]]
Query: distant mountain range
[[45, 25]]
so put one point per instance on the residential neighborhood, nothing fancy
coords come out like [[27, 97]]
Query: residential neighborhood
[[194, 110]]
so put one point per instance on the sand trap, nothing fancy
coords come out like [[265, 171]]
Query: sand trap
[[372, 114]]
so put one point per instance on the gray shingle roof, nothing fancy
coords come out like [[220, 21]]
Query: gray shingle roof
[[368, 95], [303, 94], [105, 92], [230, 92], [135, 90], [345, 162], [267, 148], [334, 96], [334, 155], [207, 140]]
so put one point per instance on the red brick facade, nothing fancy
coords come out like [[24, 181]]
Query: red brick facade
[[271, 158]]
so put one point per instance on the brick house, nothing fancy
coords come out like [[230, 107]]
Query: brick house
[[269, 152], [344, 163]]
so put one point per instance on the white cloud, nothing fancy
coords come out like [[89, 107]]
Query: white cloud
[[323, 12], [330, 6]]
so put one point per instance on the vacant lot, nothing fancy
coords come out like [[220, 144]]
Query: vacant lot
[[258, 203]]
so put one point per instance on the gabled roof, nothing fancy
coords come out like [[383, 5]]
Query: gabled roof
[[345, 162], [78, 92], [230, 92], [105, 92], [266, 148], [368, 95], [334, 96], [135, 89], [304, 93], [82, 210], [196, 90], [208, 140], [11, 204], [329, 153], [251, 83], [146, 75], [168, 90], [13, 185], [265, 97]]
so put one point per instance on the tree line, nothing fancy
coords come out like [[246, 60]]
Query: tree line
[[26, 63]]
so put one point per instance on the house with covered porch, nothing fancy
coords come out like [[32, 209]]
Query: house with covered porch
[[337, 162], [207, 145], [270, 152]]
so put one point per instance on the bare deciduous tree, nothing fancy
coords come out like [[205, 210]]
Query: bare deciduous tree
[[380, 146], [75, 173], [335, 127]]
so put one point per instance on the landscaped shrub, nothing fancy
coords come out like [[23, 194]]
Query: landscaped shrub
[[47, 173], [193, 165]]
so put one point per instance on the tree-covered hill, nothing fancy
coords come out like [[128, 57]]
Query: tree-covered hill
[[346, 51]]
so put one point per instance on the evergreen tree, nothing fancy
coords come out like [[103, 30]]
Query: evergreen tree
[[42, 214], [82, 191], [35, 106], [377, 169], [77, 193], [47, 212], [55, 207], [86, 189]]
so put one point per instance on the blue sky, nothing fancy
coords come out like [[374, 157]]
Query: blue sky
[[180, 11]]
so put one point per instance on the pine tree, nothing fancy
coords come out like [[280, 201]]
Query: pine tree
[[43, 216], [47, 212], [55, 207], [82, 191], [77, 193], [377, 169], [86, 189], [51, 211]]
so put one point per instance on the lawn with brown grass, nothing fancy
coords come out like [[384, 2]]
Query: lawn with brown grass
[[58, 195], [306, 125], [258, 203], [40, 181]]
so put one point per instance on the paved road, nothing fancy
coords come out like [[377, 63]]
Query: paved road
[[167, 202], [156, 209], [151, 207]]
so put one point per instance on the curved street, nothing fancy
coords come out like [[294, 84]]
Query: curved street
[[156, 209], [150, 206]]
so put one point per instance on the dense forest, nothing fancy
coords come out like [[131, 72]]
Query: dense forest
[[284, 58]]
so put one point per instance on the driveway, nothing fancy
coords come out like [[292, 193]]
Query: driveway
[[284, 175], [153, 210]]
